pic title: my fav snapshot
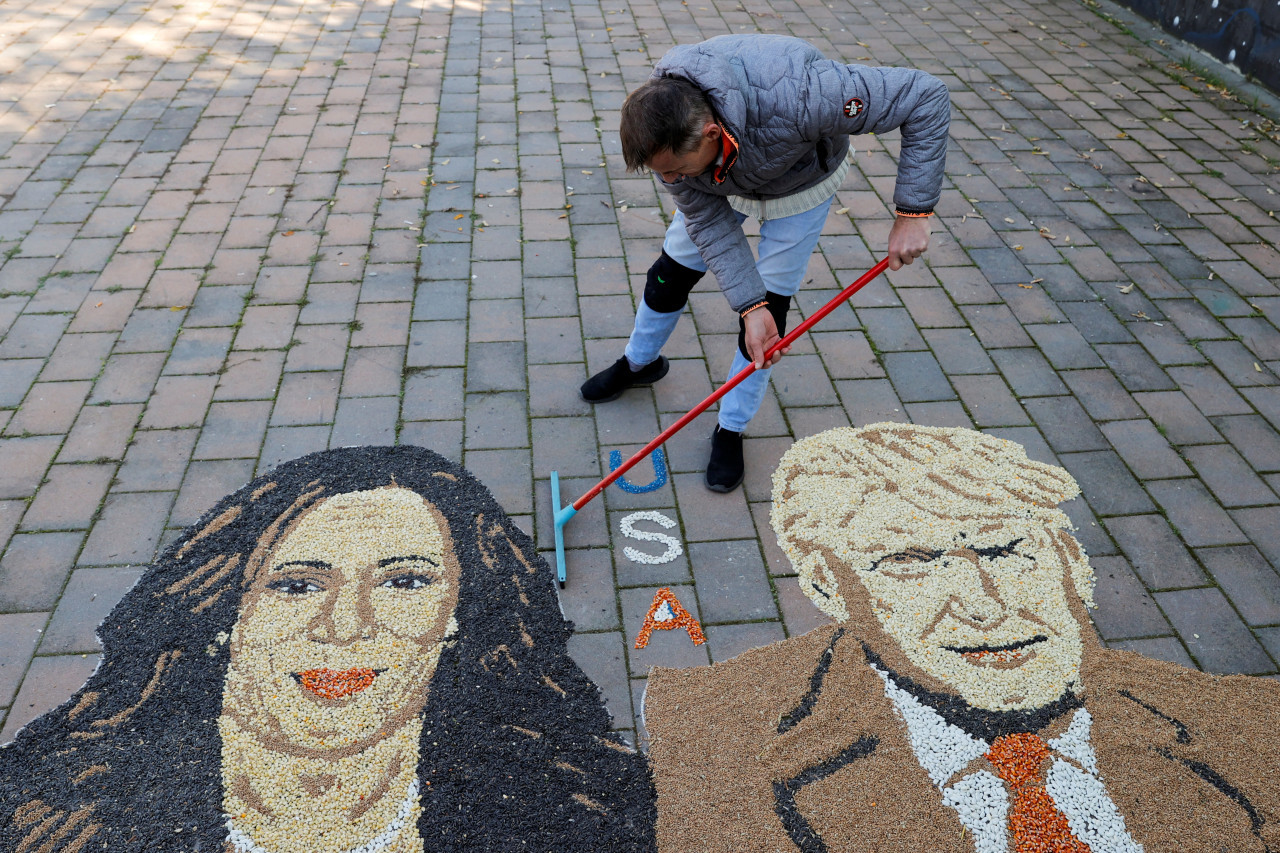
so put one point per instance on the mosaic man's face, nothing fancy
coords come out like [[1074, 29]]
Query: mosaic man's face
[[340, 633], [983, 608]]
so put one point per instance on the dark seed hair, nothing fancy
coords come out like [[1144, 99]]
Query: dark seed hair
[[664, 114]]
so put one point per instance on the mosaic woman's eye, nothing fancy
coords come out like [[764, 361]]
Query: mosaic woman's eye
[[294, 586], [413, 581]]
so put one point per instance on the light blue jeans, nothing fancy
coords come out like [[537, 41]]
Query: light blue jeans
[[786, 245]]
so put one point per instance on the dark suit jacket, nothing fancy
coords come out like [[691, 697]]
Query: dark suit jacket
[[754, 754]]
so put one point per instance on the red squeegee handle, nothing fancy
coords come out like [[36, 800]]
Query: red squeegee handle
[[799, 330]]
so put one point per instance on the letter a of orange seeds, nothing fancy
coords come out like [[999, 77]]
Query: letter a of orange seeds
[[666, 614]]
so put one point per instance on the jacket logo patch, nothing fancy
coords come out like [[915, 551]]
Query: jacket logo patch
[[854, 107]]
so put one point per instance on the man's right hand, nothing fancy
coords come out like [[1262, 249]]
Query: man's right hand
[[762, 333]]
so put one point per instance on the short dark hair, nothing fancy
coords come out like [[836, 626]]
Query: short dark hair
[[664, 114]]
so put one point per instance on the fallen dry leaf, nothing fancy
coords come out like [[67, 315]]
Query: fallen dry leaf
[[1142, 315], [1128, 288], [459, 216], [1027, 286], [1257, 367], [842, 211]]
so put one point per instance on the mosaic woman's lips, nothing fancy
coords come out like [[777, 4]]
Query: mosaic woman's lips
[[336, 683], [1008, 655]]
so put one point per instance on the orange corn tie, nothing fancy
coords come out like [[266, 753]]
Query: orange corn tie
[[336, 684], [1036, 824]]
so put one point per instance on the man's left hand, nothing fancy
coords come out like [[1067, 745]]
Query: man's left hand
[[908, 239]]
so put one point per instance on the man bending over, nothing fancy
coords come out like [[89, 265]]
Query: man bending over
[[759, 126]]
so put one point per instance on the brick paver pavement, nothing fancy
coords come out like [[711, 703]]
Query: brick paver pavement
[[235, 232]]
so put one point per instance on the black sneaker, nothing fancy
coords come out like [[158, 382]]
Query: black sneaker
[[609, 384], [725, 468]]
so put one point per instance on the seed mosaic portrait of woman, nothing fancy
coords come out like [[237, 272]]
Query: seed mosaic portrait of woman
[[358, 652]]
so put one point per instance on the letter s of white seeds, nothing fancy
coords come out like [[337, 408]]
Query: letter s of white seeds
[[628, 529]]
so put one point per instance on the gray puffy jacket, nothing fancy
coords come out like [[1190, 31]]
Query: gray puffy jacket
[[791, 111]]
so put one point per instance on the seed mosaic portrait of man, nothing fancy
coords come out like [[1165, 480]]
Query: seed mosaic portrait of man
[[961, 701], [356, 652]]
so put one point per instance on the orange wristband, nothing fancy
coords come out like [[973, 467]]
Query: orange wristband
[[912, 215], [747, 311]]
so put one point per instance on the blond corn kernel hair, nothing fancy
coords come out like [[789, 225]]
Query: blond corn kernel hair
[[850, 490]]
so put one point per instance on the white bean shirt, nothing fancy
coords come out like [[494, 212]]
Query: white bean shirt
[[981, 800]]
